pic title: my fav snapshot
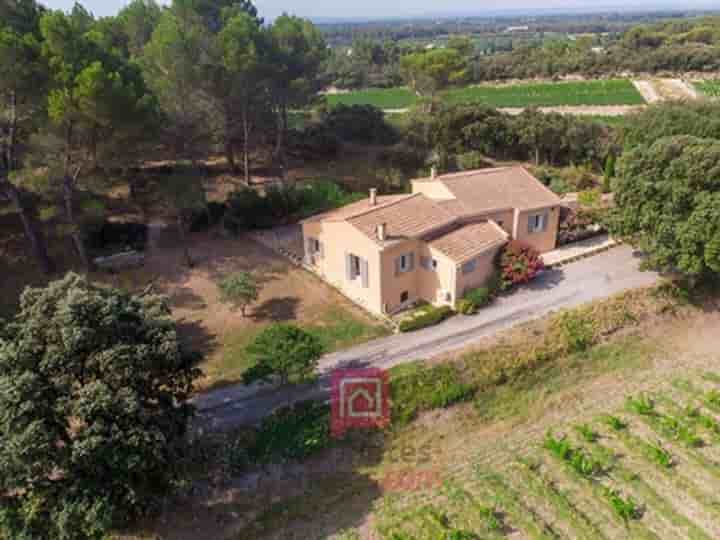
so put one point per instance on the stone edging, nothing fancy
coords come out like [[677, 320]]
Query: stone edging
[[586, 255]]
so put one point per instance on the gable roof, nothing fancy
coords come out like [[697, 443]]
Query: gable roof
[[356, 208], [469, 241], [495, 189], [408, 217]]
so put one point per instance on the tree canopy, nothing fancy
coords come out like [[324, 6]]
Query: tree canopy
[[93, 409], [285, 351], [667, 198]]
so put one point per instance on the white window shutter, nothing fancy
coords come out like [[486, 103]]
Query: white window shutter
[[531, 224], [411, 262], [397, 266], [364, 273], [348, 267], [322, 249]]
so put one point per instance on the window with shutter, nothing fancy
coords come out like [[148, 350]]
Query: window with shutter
[[469, 267], [364, 273]]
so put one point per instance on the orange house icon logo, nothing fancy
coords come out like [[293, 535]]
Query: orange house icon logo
[[360, 399]]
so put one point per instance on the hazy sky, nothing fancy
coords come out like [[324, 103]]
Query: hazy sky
[[384, 8]]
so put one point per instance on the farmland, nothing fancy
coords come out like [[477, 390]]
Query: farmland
[[709, 88], [588, 93], [619, 440]]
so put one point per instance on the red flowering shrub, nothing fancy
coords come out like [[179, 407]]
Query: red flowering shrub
[[519, 263]]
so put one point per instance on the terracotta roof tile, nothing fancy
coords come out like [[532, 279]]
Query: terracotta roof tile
[[353, 209], [498, 188], [409, 217], [469, 241]]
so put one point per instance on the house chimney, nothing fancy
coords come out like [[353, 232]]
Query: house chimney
[[373, 197], [382, 232], [433, 173]]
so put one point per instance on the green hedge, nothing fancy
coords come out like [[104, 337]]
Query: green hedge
[[430, 317], [474, 300]]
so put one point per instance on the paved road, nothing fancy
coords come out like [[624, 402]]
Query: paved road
[[597, 277]]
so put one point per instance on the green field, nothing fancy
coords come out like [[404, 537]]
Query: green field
[[598, 93], [709, 88]]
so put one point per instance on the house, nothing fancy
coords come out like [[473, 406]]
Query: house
[[387, 252]]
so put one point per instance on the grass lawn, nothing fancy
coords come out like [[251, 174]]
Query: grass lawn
[[336, 327], [613, 92], [597, 93], [709, 88]]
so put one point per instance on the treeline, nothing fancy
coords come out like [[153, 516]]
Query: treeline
[[680, 45], [677, 46], [86, 99], [346, 33]]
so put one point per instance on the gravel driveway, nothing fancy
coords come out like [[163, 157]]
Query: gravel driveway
[[598, 277]]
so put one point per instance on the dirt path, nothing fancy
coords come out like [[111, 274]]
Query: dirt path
[[583, 110], [657, 90]]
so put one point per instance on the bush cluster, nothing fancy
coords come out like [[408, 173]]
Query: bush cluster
[[109, 236], [430, 316], [519, 263], [293, 432], [475, 299], [248, 209], [211, 215], [359, 124]]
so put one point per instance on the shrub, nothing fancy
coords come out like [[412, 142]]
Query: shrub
[[615, 423], [293, 432], [285, 351], [111, 236], [473, 300], [659, 455], [211, 215], [416, 388], [626, 508], [430, 316], [360, 124], [576, 331], [239, 289], [587, 433], [590, 197], [642, 405], [581, 463], [519, 263], [248, 209]]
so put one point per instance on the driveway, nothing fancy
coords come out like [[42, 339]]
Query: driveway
[[598, 277]]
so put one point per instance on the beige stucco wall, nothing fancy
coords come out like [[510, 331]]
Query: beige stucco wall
[[481, 275], [340, 238], [432, 190], [504, 218], [542, 241], [393, 286]]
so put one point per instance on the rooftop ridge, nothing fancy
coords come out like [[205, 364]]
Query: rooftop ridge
[[372, 209], [463, 174]]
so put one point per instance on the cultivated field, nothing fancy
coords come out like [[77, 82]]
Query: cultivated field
[[709, 88], [602, 93], [587, 93]]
